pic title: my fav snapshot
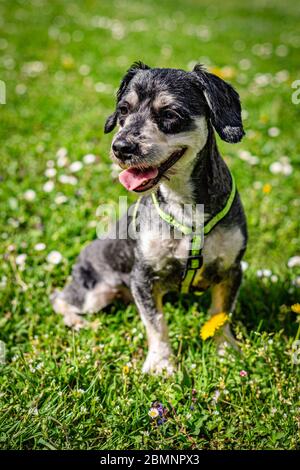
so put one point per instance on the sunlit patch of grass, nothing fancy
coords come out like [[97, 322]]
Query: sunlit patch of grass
[[63, 390]]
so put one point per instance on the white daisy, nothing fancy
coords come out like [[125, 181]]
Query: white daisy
[[29, 195], [50, 172], [267, 273], [89, 158], [66, 179], [273, 132], [54, 257], [39, 246], [244, 265], [48, 186], [294, 261], [60, 199], [75, 166], [20, 259], [62, 152]]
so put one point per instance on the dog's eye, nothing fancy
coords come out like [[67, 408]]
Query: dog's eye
[[169, 114], [123, 110]]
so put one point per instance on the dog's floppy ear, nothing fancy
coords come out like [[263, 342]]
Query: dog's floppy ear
[[224, 104], [131, 72]]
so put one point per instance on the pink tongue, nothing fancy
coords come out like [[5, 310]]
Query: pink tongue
[[133, 178]]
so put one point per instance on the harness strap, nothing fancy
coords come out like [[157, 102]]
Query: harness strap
[[195, 259]]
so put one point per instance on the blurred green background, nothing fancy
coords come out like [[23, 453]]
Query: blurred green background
[[61, 62]]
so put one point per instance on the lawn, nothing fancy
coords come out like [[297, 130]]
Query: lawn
[[61, 63]]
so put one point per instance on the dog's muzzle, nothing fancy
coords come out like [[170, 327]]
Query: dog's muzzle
[[142, 179]]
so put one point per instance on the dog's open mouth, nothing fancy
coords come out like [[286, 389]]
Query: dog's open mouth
[[139, 180]]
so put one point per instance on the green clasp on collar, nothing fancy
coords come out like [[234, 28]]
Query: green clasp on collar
[[195, 258]]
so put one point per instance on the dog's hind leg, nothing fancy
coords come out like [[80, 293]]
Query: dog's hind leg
[[224, 296], [77, 299]]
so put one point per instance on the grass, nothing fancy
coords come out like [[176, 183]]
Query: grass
[[66, 390]]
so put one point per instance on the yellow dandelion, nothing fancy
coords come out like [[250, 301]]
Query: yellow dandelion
[[125, 369], [226, 72], [267, 188], [295, 308], [211, 326]]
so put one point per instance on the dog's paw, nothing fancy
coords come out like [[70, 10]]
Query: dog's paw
[[72, 320], [69, 312], [158, 365], [225, 340]]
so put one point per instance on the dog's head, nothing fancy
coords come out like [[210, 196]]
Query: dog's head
[[163, 117]]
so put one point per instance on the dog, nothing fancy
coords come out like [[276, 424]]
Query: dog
[[166, 146]]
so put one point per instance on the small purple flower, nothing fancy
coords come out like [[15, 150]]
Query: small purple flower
[[192, 407], [160, 410], [161, 421], [194, 391]]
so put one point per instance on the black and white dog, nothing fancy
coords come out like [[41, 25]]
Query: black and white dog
[[166, 144]]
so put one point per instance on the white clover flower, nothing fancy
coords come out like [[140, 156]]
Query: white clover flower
[[75, 166], [274, 278], [294, 261], [50, 172], [89, 158], [20, 259], [39, 246], [48, 186], [29, 195], [259, 273], [54, 257], [50, 164], [274, 131]]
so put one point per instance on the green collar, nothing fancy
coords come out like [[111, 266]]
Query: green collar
[[194, 259], [208, 226]]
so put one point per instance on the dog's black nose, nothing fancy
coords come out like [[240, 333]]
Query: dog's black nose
[[124, 149]]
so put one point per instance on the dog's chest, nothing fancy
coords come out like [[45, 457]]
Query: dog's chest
[[222, 245]]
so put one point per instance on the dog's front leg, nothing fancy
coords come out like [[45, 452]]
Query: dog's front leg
[[224, 297], [149, 303]]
